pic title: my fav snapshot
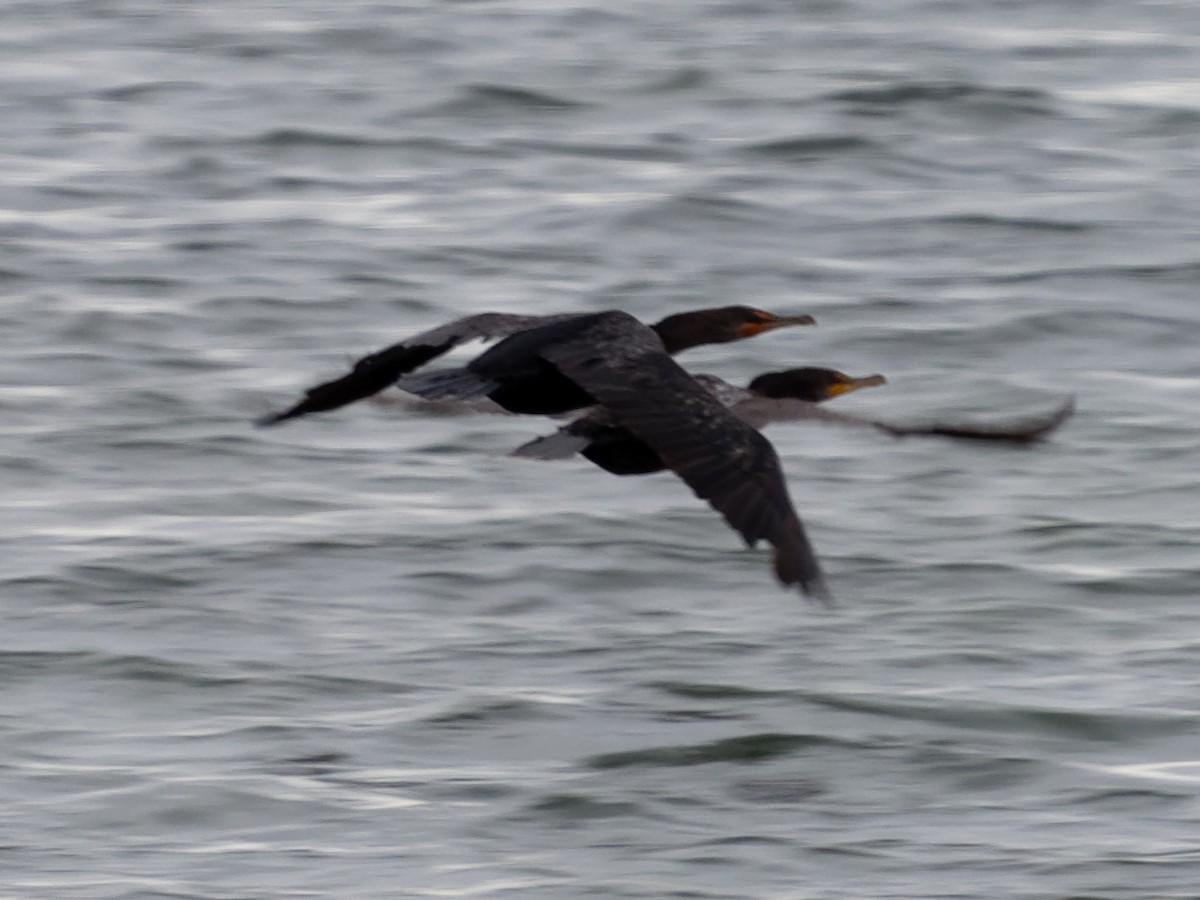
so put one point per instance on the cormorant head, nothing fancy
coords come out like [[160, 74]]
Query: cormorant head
[[720, 326], [810, 383]]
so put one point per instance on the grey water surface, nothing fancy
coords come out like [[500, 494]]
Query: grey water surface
[[367, 655]]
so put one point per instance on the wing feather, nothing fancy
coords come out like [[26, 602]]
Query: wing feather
[[382, 369], [722, 459], [1015, 431], [762, 411]]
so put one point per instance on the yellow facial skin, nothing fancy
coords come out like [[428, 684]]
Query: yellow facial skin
[[848, 384], [764, 321]]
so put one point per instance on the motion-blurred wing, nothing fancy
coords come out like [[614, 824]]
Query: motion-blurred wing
[[377, 371], [1017, 431], [762, 411]]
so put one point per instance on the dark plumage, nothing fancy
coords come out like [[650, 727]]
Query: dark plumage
[[599, 438], [519, 375], [663, 419], [721, 458], [612, 360], [790, 395], [512, 368]]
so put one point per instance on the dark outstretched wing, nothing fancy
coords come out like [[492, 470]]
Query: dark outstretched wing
[[1019, 431], [377, 371], [763, 411], [721, 458]]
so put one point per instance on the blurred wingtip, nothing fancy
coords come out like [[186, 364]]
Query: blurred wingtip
[[272, 419], [803, 572], [1066, 410], [818, 592], [1053, 421]]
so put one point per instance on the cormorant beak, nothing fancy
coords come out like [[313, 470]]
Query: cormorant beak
[[770, 323], [853, 384]]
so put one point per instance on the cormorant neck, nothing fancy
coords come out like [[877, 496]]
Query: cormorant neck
[[683, 331], [789, 385]]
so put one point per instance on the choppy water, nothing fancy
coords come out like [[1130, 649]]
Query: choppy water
[[369, 656]]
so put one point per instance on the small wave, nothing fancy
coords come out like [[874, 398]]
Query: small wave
[[146, 89], [1130, 581], [713, 691], [1066, 323], [377, 40], [210, 246], [1081, 724], [521, 252], [1185, 271], [689, 209], [1170, 122], [1184, 772], [489, 712], [99, 667], [688, 78], [386, 139], [809, 147], [778, 791], [632, 153], [110, 583], [484, 99], [1125, 800], [898, 95], [142, 284], [569, 808], [1016, 223], [743, 749], [314, 137]]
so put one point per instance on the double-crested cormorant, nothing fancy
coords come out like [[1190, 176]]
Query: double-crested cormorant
[[791, 395], [512, 372], [613, 361]]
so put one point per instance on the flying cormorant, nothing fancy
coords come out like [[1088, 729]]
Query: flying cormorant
[[555, 364], [791, 395], [514, 374]]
